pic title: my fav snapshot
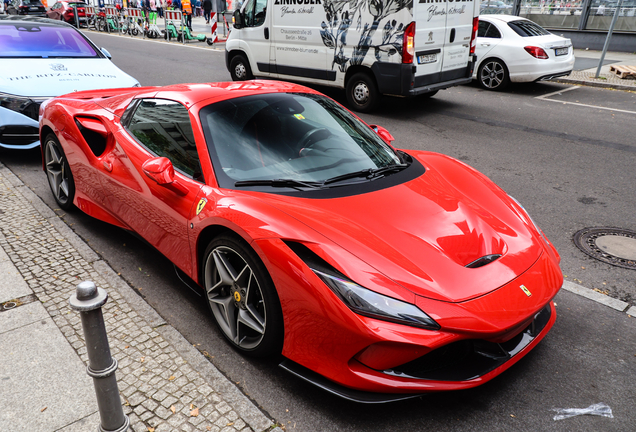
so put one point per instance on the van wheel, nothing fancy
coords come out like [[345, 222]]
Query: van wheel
[[362, 93], [240, 68], [493, 74]]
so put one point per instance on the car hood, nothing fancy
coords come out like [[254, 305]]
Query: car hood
[[58, 76], [423, 233]]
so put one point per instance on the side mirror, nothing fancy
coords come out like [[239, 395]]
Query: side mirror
[[161, 171], [383, 133], [106, 53], [238, 19]]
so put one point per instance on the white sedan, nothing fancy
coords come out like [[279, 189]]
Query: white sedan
[[42, 58], [514, 49]]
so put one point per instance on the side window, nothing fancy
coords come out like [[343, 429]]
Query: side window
[[492, 32], [163, 127], [254, 13], [488, 30], [482, 29]]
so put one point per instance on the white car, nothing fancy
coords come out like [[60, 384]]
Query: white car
[[514, 49], [42, 58]]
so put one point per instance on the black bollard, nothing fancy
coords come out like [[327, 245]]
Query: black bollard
[[88, 300]]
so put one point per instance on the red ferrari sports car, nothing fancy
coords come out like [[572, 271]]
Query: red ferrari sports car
[[377, 273]]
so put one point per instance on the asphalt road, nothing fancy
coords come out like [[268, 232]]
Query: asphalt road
[[566, 157]]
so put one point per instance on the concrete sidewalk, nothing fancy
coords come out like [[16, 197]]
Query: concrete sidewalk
[[165, 383]]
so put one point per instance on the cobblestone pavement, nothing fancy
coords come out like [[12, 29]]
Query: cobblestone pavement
[[164, 382]]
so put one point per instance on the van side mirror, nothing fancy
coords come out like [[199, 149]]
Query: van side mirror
[[238, 19]]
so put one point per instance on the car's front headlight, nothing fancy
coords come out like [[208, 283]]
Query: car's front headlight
[[15, 103], [371, 304], [529, 219]]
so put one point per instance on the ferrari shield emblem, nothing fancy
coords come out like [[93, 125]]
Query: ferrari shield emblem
[[525, 290], [201, 204]]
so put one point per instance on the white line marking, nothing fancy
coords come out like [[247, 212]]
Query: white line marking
[[545, 98], [161, 41], [596, 296], [557, 92]]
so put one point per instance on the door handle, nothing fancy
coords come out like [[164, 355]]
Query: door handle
[[485, 44], [108, 166], [266, 31]]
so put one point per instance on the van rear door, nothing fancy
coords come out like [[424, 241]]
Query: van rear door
[[430, 31], [442, 40], [459, 28]]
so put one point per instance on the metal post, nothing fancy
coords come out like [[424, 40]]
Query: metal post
[[88, 300], [76, 17], [609, 37]]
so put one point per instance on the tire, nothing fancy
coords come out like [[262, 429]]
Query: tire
[[101, 25], [362, 93], [493, 74], [58, 173], [210, 41], [134, 31], [240, 68], [241, 297]]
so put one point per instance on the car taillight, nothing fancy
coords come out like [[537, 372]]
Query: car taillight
[[408, 45], [536, 52], [473, 36]]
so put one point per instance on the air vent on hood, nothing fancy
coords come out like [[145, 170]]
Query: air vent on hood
[[486, 259]]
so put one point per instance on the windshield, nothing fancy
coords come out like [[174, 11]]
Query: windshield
[[33, 40], [301, 137]]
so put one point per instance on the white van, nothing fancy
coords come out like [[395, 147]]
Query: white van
[[368, 47]]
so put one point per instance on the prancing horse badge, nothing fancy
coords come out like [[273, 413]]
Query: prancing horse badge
[[525, 290], [201, 204]]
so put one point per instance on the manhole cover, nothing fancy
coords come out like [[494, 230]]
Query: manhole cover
[[614, 246]]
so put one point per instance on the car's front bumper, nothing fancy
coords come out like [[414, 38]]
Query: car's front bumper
[[18, 131], [478, 339]]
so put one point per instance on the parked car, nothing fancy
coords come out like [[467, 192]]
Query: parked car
[[26, 7], [377, 273], [514, 49], [64, 10], [41, 58]]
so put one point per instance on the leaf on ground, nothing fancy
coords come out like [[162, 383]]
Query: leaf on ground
[[173, 409], [194, 412]]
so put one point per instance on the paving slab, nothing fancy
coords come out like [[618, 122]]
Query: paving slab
[[13, 286], [42, 389]]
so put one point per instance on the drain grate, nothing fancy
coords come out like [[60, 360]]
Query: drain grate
[[614, 246], [12, 304]]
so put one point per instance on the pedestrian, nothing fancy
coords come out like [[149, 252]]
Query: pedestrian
[[153, 12], [160, 7], [186, 9], [601, 10], [176, 4], [6, 7], [197, 8], [207, 8]]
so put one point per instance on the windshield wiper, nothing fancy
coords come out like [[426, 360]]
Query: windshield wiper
[[278, 183], [368, 173]]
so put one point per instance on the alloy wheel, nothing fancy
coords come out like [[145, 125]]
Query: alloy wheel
[[492, 75], [235, 297], [57, 172]]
